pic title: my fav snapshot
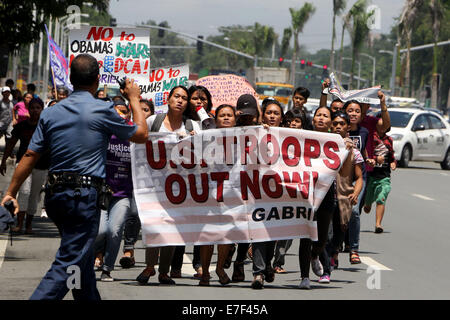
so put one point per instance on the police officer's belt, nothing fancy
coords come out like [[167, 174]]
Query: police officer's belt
[[74, 180]]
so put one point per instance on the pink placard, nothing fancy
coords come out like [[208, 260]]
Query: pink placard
[[226, 89]]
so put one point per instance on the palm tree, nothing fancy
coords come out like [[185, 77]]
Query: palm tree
[[407, 19], [338, 7], [345, 25], [436, 17], [299, 19], [264, 37], [358, 31]]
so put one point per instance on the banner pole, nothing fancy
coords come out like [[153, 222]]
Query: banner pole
[[54, 84]]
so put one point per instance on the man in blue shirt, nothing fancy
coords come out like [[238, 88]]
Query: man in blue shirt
[[76, 132]]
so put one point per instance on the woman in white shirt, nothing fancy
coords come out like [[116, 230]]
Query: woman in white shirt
[[172, 121]]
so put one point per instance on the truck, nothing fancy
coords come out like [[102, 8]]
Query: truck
[[271, 82]]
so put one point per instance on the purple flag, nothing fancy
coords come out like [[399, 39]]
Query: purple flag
[[58, 63]]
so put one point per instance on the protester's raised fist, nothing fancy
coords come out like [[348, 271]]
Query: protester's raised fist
[[325, 83], [382, 97]]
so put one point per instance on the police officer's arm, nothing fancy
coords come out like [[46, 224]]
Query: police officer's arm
[[133, 92], [23, 170]]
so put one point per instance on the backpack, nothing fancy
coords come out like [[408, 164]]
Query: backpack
[[160, 118]]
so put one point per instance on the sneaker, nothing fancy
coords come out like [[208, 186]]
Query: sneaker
[[258, 282], [305, 284], [324, 279], [317, 267], [106, 277]]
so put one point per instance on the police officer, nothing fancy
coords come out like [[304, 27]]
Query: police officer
[[76, 132]]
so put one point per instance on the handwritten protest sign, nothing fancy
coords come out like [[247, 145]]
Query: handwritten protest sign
[[368, 95], [120, 52], [246, 184], [162, 80], [226, 89]]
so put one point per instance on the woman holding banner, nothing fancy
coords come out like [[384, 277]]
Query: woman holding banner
[[172, 121], [225, 117], [309, 251], [198, 96], [263, 251]]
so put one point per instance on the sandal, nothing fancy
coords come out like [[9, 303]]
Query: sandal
[[279, 270], [199, 273], [227, 263], [223, 278], [144, 277], [354, 257], [204, 281], [165, 279], [175, 274]]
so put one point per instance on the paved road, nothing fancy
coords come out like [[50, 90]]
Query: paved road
[[412, 256]]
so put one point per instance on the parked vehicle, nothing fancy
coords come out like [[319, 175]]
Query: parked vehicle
[[420, 135]]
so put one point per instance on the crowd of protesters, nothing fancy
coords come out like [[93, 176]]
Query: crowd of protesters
[[364, 178]]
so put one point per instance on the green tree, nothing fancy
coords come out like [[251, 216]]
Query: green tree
[[19, 27], [358, 31], [299, 19], [408, 17], [338, 8]]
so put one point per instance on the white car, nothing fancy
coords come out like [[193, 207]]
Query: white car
[[420, 135]]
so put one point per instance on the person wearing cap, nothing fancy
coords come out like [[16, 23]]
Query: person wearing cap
[[248, 114], [76, 132], [247, 111], [6, 116]]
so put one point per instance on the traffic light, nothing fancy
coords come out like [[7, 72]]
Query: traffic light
[[280, 61], [309, 64], [112, 22], [302, 64], [162, 50], [325, 73], [200, 46], [161, 31]]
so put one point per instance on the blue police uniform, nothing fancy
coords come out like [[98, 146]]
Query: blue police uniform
[[76, 131]]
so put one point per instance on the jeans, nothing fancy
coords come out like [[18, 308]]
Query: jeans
[[111, 230], [77, 217], [354, 225], [132, 228], [281, 248], [262, 256]]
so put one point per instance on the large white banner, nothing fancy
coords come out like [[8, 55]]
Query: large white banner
[[161, 81], [120, 52], [234, 185]]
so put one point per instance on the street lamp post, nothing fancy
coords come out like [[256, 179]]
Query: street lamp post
[[374, 60], [394, 66]]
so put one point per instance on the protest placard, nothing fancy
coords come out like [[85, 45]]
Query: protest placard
[[234, 185], [120, 52], [226, 89], [161, 81], [368, 95]]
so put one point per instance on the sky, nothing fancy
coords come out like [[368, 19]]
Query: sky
[[203, 17]]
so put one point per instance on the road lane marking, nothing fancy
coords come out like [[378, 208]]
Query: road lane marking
[[3, 244], [422, 197], [372, 263]]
